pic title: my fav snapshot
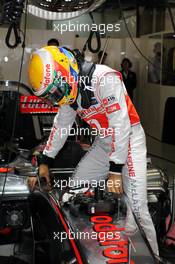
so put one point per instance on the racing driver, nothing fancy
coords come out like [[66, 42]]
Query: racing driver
[[119, 153]]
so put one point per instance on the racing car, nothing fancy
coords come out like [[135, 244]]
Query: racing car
[[39, 227]]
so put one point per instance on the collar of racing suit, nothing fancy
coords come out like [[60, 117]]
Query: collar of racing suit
[[85, 76]]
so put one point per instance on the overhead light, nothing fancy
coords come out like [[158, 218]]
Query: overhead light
[[44, 5], [12, 11], [6, 59], [64, 15], [28, 50]]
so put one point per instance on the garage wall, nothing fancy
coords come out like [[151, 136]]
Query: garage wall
[[151, 97], [10, 59], [9, 70]]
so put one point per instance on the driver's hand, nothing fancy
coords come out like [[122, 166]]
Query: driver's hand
[[43, 173], [114, 183], [32, 181]]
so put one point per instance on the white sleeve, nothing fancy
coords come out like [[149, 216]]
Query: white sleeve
[[62, 124], [112, 95]]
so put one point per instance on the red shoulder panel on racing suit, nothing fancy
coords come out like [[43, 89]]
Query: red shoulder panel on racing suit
[[133, 115], [112, 109]]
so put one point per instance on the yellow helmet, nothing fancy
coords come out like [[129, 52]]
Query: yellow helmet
[[53, 75]]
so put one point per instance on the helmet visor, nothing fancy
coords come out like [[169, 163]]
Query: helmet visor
[[56, 91]]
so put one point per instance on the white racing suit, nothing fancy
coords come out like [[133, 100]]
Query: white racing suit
[[121, 142]]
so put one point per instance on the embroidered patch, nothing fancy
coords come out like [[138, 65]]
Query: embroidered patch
[[109, 100], [112, 108]]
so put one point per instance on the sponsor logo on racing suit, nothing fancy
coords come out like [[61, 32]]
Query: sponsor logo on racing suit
[[133, 183]]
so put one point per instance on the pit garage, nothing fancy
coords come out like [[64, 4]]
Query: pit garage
[[56, 218]]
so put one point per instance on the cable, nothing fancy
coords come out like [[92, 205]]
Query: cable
[[13, 10], [15, 29], [131, 37], [171, 15], [89, 40], [141, 53], [17, 102]]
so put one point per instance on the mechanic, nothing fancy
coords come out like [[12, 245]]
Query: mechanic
[[120, 153]]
